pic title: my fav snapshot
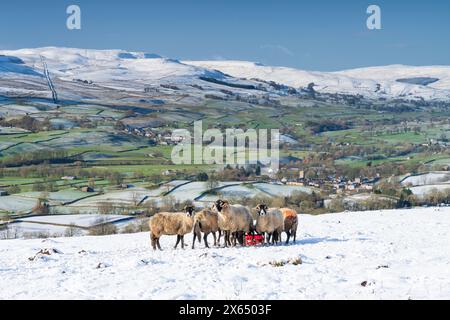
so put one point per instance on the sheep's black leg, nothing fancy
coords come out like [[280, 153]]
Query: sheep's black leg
[[235, 238], [205, 238], [227, 239], [193, 240], [241, 238], [182, 242], [215, 241], [224, 237], [269, 236], [159, 245], [288, 233], [153, 241], [178, 241]]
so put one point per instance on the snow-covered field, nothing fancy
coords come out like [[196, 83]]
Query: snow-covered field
[[31, 229], [427, 179], [398, 254], [16, 203], [57, 225], [238, 191], [60, 197], [125, 197], [426, 190], [80, 220], [280, 189], [424, 184]]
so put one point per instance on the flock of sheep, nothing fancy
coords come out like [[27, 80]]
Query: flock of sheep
[[233, 221]]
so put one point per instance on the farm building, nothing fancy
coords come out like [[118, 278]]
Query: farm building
[[3, 193]]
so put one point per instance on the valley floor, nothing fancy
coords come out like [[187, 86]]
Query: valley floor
[[397, 254]]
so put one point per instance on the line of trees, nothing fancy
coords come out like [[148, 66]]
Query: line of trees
[[27, 123], [36, 157]]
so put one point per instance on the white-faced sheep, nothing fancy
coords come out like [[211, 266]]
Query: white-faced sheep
[[171, 223], [206, 222], [269, 221], [290, 223], [234, 220]]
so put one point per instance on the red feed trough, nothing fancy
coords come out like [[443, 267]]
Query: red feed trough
[[254, 240]]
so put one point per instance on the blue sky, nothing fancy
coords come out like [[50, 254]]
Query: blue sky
[[315, 35]]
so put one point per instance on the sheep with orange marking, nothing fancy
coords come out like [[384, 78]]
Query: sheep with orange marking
[[290, 217]]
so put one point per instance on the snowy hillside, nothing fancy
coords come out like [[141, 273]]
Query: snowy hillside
[[108, 67], [21, 72], [107, 75], [427, 178], [370, 82], [399, 254]]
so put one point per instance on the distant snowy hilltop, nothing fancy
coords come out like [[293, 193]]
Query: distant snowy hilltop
[[23, 72], [394, 81]]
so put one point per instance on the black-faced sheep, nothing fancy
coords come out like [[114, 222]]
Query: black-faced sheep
[[206, 222], [171, 223], [290, 217], [269, 221], [234, 220]]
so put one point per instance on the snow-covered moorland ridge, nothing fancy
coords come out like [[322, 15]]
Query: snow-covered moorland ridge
[[395, 81], [119, 69], [101, 65], [398, 254]]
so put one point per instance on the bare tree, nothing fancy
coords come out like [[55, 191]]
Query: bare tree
[[102, 228], [135, 198], [73, 231], [213, 182], [105, 208], [10, 232]]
